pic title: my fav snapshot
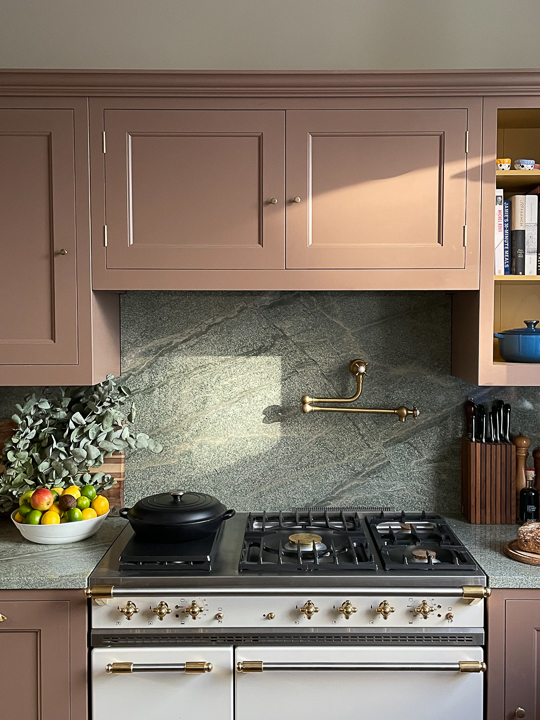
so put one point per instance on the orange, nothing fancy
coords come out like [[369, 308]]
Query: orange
[[100, 504], [18, 517], [89, 514], [50, 518], [73, 490]]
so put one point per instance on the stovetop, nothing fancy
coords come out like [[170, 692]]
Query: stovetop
[[322, 548]]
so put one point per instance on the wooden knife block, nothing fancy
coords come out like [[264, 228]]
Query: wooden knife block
[[488, 483]]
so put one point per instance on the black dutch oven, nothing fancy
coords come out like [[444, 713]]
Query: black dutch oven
[[176, 516]]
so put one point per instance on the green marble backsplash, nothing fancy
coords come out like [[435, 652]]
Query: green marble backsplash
[[217, 377]]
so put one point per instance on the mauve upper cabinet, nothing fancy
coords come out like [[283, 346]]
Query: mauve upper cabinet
[[50, 319], [285, 193]]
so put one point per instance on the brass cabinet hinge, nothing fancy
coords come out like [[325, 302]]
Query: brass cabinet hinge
[[464, 236], [466, 140], [105, 236], [104, 142]]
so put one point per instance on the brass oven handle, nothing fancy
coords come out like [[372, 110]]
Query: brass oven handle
[[257, 666], [190, 668]]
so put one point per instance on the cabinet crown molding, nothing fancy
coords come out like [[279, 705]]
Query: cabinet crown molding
[[260, 83]]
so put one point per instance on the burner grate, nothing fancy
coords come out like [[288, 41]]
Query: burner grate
[[334, 541]]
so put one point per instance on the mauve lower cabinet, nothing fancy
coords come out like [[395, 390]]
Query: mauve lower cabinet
[[54, 330], [43, 655], [513, 655]]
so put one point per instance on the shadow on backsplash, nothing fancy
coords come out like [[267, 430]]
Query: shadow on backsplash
[[217, 377]]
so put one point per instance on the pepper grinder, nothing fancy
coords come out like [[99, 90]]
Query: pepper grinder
[[522, 444]]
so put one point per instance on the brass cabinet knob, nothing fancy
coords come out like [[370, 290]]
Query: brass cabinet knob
[[385, 609], [129, 610], [519, 712], [63, 251], [297, 199], [273, 201], [424, 609], [347, 609], [309, 609], [3, 618], [161, 610], [194, 609], [270, 616]]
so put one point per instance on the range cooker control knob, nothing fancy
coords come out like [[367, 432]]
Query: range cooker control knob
[[194, 609], [219, 616], [424, 609], [129, 609], [161, 610], [270, 616], [347, 609], [385, 609], [309, 609], [450, 617]]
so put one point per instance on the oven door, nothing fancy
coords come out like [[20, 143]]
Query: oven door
[[165, 684], [351, 683]]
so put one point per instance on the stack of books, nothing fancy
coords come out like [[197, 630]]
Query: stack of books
[[516, 234]]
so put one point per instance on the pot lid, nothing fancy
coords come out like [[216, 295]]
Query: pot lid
[[531, 329], [177, 507]]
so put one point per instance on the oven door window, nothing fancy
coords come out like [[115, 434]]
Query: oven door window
[[153, 683], [319, 683]]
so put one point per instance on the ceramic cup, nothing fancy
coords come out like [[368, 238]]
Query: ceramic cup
[[524, 164], [504, 163]]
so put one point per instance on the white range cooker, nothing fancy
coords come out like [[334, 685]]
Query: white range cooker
[[312, 614]]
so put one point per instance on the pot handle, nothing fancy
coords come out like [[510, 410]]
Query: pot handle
[[124, 513], [229, 514]]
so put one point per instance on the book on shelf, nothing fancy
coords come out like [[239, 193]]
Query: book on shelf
[[506, 231], [517, 235], [531, 234], [499, 232]]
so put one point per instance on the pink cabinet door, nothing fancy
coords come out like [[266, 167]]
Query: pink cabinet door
[[193, 189], [38, 287], [522, 660], [376, 188]]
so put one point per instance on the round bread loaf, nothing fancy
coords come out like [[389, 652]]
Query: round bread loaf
[[529, 537]]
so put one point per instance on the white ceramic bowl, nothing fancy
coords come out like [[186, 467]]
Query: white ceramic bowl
[[59, 534]]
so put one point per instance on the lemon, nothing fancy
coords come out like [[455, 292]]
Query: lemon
[[89, 514], [100, 505], [57, 490], [19, 518], [55, 507], [73, 490], [50, 518]]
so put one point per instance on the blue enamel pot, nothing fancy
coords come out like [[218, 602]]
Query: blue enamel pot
[[520, 344]]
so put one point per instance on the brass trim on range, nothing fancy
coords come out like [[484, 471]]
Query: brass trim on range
[[358, 368], [424, 609], [385, 609], [189, 668], [309, 609], [99, 592], [475, 593], [257, 666], [3, 618]]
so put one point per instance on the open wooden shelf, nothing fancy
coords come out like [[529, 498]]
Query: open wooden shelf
[[516, 278], [510, 179]]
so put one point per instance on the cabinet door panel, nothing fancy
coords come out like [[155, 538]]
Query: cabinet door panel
[[522, 661], [37, 219], [191, 189], [35, 660], [378, 188]]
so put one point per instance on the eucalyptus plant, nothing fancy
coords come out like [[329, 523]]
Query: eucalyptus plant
[[60, 435]]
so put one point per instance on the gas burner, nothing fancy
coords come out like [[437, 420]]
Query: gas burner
[[424, 556], [307, 542], [418, 541], [327, 541]]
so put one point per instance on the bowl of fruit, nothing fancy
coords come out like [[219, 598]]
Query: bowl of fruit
[[58, 515]]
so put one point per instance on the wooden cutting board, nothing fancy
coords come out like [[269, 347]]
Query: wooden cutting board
[[511, 550]]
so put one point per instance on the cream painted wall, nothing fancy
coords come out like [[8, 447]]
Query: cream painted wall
[[270, 34]]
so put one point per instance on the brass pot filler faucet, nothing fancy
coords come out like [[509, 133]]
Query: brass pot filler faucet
[[358, 369]]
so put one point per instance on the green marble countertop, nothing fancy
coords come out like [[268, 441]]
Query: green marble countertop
[[29, 566], [486, 543]]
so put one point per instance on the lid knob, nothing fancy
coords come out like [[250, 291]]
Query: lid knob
[[177, 496], [531, 324]]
